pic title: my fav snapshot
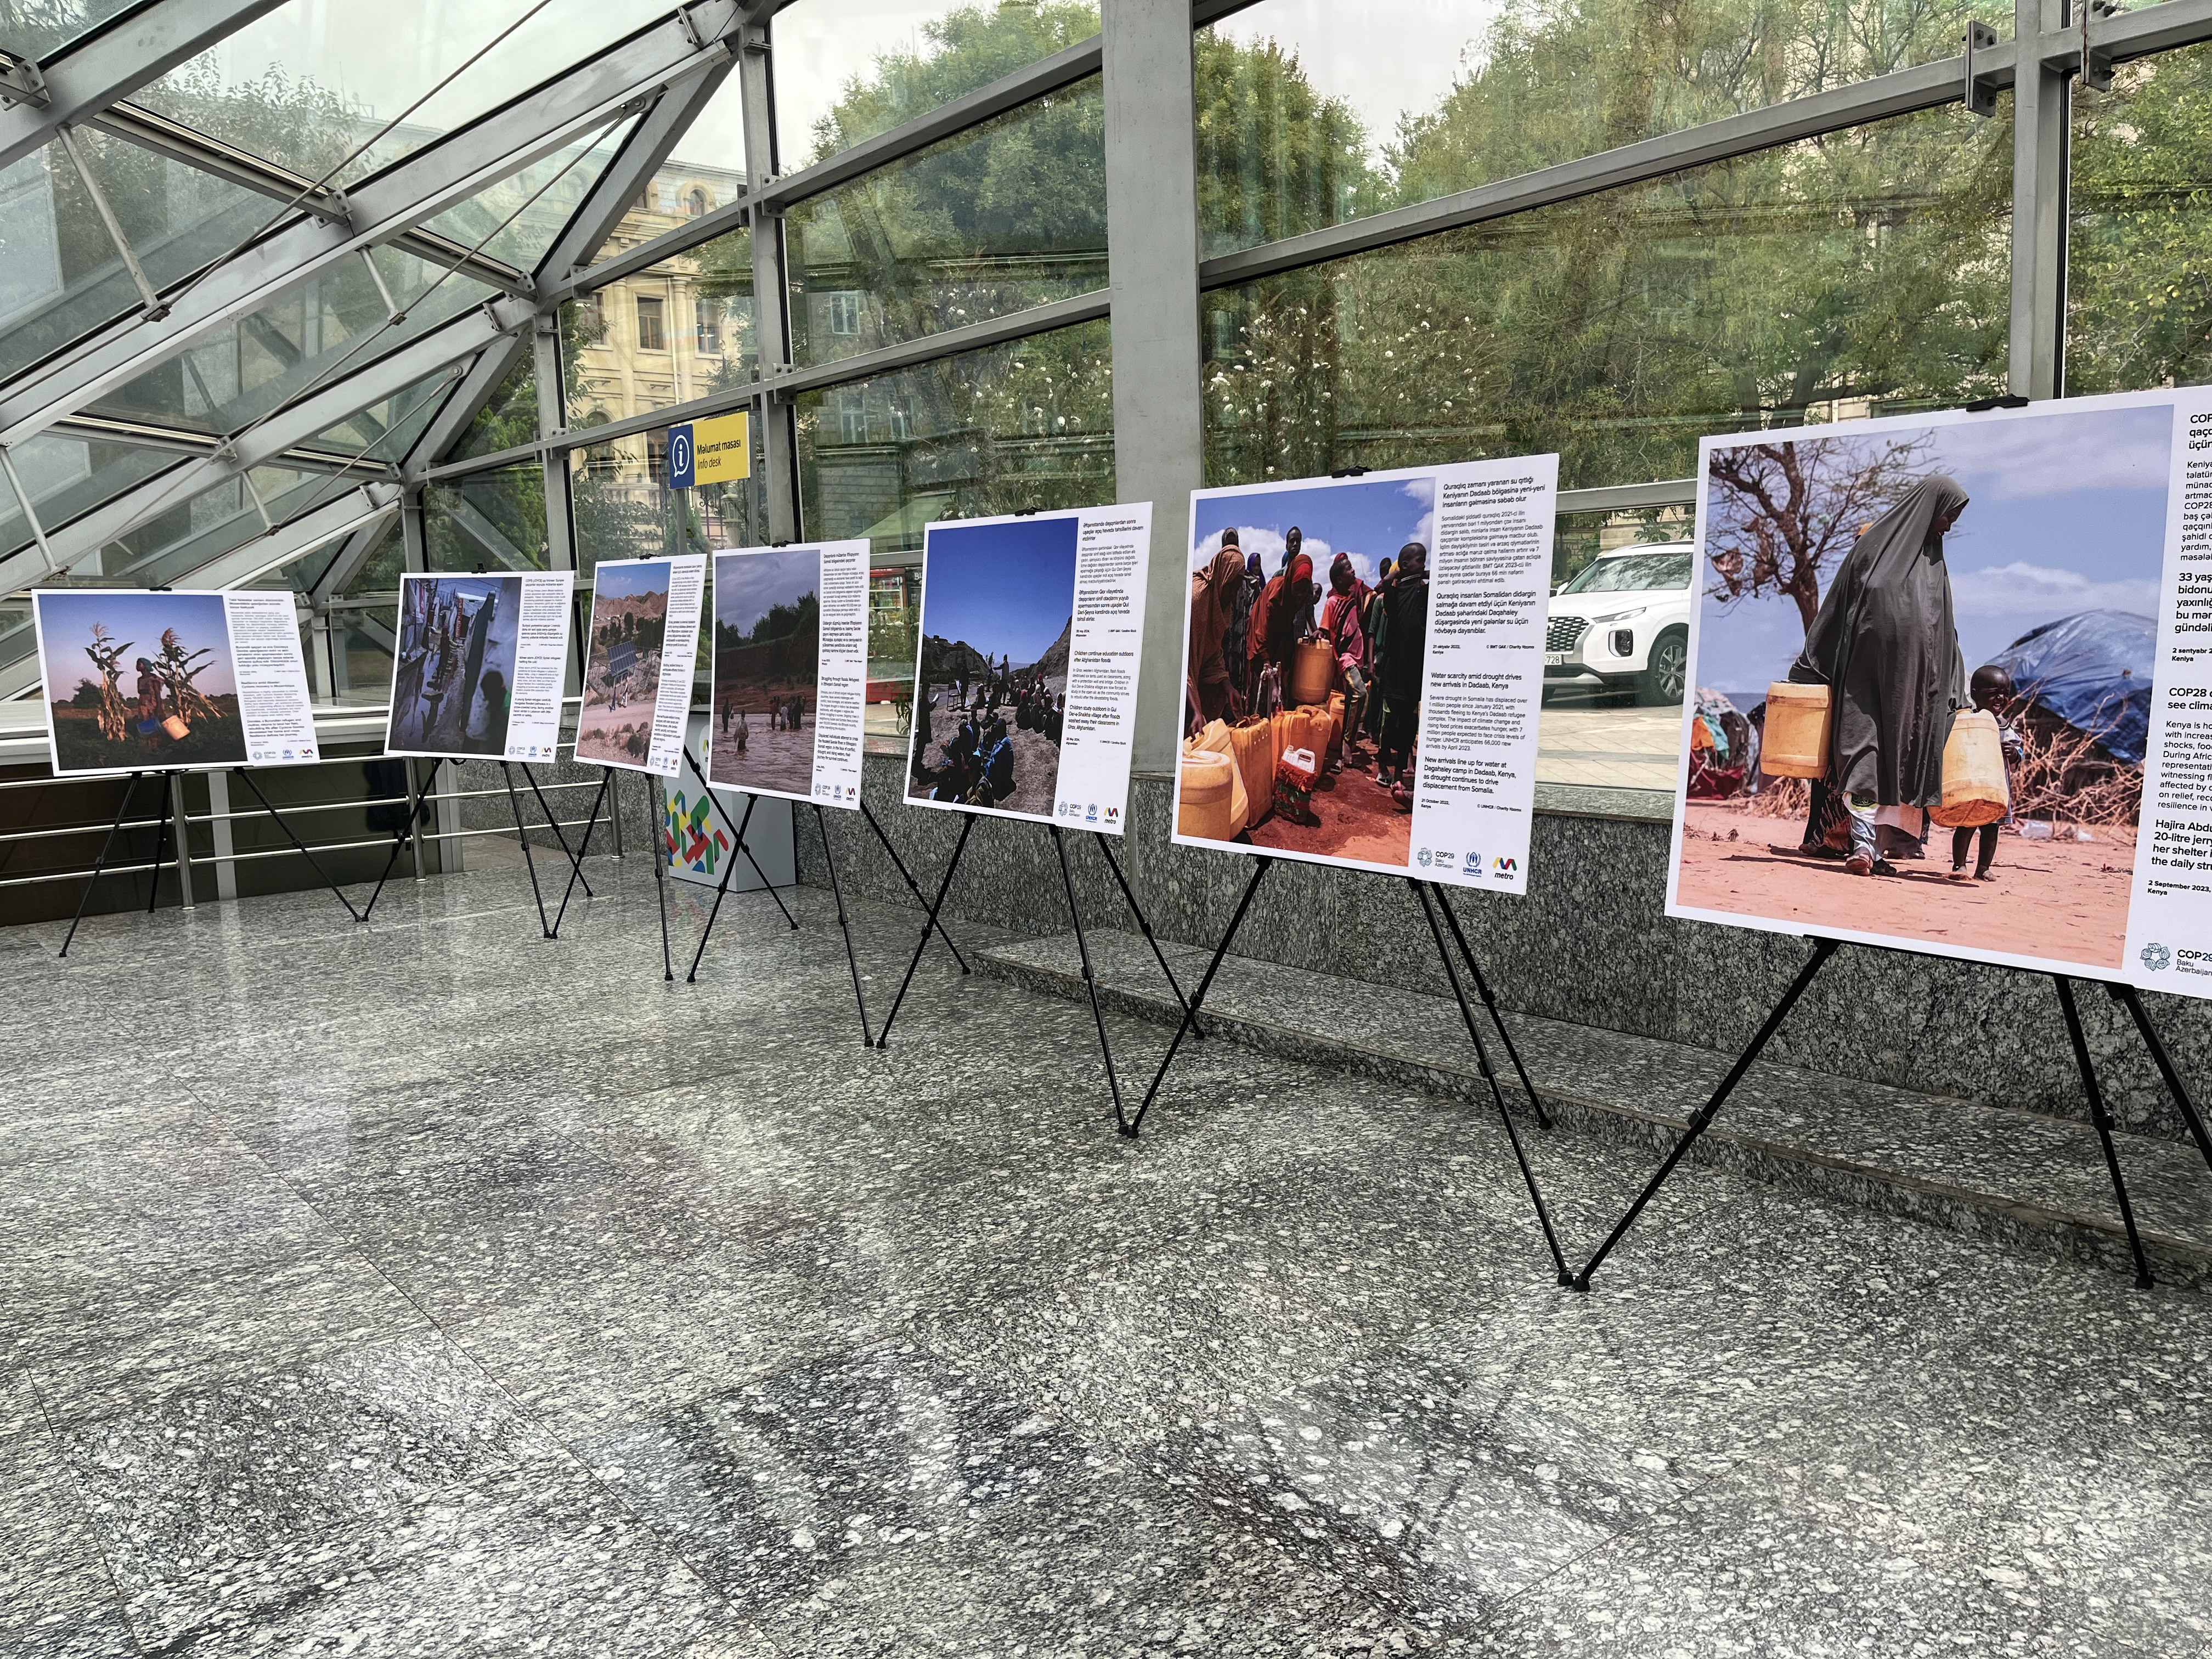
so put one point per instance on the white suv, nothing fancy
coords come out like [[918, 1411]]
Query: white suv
[[1624, 624]]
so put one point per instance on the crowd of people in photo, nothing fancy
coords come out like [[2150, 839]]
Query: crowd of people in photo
[[1246, 629], [979, 763]]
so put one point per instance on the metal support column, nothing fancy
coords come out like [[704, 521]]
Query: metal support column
[[1151, 254], [184, 840], [2041, 110], [776, 417]]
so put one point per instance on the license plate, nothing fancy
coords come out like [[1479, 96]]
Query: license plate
[[1555, 659]]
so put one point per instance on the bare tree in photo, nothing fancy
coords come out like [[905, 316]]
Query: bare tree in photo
[[1782, 514]]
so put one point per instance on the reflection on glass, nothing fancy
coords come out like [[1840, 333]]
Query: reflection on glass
[[517, 219], [492, 521], [310, 86], [42, 27], [67, 477], [310, 339], [1866, 272], [846, 69], [221, 520], [680, 330], [60, 275], [1028, 424], [1010, 215], [384, 431], [1311, 113], [2139, 286], [508, 420]]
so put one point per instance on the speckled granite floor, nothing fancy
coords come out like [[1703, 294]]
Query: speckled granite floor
[[2032, 1180], [430, 1289]]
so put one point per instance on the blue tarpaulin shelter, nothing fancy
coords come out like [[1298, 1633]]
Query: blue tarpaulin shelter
[[2092, 671]]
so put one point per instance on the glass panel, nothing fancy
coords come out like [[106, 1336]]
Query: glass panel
[[1009, 215], [518, 219], [1311, 113], [846, 69], [310, 83], [215, 522], [1620, 729], [624, 509], [60, 275], [385, 431], [2139, 304], [333, 327], [1866, 272], [683, 329], [510, 419], [1027, 424], [360, 644], [38, 28], [492, 521], [69, 477]]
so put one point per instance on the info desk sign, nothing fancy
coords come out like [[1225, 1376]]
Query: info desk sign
[[1953, 687], [720, 450]]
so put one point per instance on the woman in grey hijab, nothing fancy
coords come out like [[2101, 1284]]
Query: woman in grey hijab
[[1885, 645]]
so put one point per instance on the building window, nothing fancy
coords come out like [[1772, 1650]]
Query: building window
[[695, 204], [853, 415], [899, 432], [652, 331], [709, 329], [844, 312]]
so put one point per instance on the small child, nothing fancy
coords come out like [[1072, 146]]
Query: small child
[[1991, 689]]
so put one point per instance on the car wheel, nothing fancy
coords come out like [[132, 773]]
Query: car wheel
[[1667, 673]]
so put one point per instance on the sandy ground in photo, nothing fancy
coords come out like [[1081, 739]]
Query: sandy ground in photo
[[624, 733], [772, 760], [1356, 819], [1037, 757], [2064, 900]]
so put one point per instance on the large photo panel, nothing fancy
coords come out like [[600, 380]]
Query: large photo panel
[[1923, 655], [789, 671], [1364, 667], [639, 653], [478, 671], [139, 681]]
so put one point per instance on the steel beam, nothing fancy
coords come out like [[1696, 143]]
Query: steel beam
[[646, 150], [114, 61], [478, 386], [2042, 111], [180, 440], [353, 511], [560, 520], [1152, 253], [618, 82], [776, 417], [345, 566]]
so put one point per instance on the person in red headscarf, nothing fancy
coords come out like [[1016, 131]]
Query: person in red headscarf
[[1275, 638]]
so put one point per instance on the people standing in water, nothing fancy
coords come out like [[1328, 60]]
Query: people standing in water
[[1885, 644]]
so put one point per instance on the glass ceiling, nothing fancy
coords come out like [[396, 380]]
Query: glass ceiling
[[40, 28], [312, 83]]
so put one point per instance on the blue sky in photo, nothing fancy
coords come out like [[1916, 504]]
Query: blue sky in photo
[[748, 586], [1368, 520], [629, 581], [67, 620], [2067, 513], [1007, 589]]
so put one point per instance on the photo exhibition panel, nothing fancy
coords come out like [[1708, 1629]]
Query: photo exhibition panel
[[789, 675]]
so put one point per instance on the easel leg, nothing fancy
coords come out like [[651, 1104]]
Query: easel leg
[[1490, 1003], [853, 962], [161, 841], [1197, 998], [583, 850], [247, 778], [92, 881], [1089, 980], [928, 925], [2126, 993], [1145, 926], [1822, 949], [1490, 1076], [575, 860], [411, 836], [766, 885], [2103, 1126], [522, 835], [912, 886], [721, 888]]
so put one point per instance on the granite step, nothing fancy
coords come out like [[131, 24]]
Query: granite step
[[2020, 1178]]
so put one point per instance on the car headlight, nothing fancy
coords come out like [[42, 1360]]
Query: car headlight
[[1621, 615]]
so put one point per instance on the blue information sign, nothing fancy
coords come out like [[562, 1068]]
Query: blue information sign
[[682, 461]]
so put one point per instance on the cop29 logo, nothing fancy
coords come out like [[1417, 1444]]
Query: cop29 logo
[[2157, 957]]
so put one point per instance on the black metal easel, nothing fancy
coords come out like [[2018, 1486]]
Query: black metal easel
[[2101, 1120], [418, 805], [92, 880], [522, 835], [930, 922], [730, 869], [245, 777]]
